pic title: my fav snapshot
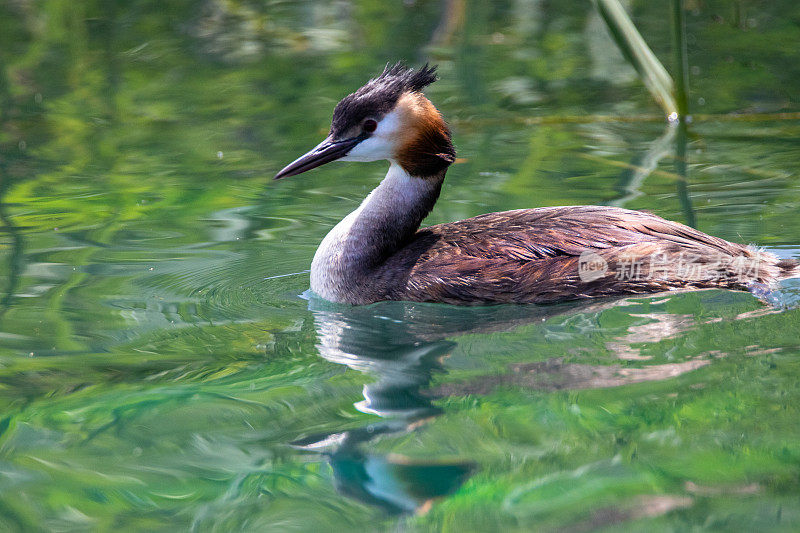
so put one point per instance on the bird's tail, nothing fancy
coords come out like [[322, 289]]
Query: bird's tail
[[788, 268], [767, 289], [766, 267]]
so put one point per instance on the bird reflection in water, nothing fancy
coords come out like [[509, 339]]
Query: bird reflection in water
[[402, 345], [402, 355]]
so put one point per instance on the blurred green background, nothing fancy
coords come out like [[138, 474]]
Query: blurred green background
[[159, 371]]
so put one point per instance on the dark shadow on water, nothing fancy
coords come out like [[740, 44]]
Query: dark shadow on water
[[16, 255]]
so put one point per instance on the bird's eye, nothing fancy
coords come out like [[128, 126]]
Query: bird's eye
[[370, 125]]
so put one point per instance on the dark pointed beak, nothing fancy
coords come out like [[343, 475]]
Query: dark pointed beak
[[325, 152]]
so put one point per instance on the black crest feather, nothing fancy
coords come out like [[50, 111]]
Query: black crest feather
[[379, 95], [410, 79]]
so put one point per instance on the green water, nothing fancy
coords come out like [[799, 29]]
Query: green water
[[160, 368]]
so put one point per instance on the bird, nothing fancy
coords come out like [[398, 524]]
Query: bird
[[539, 255]]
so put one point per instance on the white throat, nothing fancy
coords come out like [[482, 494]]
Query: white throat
[[342, 265]]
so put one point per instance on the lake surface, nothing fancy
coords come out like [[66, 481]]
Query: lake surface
[[163, 368]]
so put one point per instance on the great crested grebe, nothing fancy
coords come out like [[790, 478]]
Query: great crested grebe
[[378, 252]]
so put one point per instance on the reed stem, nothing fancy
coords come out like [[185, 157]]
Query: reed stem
[[680, 58]]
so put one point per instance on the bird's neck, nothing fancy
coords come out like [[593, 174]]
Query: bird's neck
[[383, 223]]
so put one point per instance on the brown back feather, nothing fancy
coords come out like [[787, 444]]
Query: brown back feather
[[532, 255]]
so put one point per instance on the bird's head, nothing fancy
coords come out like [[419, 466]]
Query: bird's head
[[387, 118]]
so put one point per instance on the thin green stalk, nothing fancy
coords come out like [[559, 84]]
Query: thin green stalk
[[680, 58], [653, 74], [681, 141]]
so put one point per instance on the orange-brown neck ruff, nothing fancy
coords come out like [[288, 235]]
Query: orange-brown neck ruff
[[424, 148]]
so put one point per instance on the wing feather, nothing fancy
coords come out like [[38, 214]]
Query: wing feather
[[532, 255]]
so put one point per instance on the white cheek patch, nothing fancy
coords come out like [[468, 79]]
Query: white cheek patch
[[379, 145], [372, 149]]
